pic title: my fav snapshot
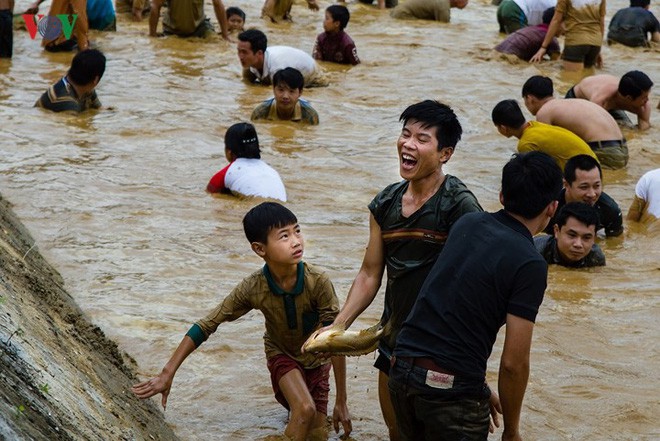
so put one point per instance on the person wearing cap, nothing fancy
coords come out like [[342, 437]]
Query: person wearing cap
[[572, 243]]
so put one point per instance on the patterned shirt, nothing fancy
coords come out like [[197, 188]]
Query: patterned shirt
[[303, 112], [61, 97], [525, 42]]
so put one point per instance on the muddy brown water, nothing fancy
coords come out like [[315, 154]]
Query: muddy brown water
[[116, 201]]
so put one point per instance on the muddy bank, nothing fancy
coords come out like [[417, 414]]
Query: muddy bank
[[60, 377]]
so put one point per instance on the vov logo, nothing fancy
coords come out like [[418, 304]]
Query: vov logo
[[50, 27]]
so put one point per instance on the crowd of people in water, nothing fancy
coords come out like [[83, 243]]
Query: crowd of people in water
[[454, 273]]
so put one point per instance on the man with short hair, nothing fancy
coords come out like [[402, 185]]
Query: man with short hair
[[587, 120], [559, 143], [76, 90], [260, 62], [438, 10], [630, 26], [630, 93], [287, 105], [408, 227], [583, 183], [185, 18], [489, 274], [572, 243]]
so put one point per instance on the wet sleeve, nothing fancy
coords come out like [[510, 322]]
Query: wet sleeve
[[234, 306], [528, 289], [217, 182]]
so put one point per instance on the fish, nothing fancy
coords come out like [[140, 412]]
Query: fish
[[338, 341]]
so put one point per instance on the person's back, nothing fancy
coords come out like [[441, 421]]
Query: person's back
[[438, 10], [561, 144], [246, 174], [76, 90], [101, 15], [280, 57], [587, 120], [526, 41], [183, 17], [631, 26]]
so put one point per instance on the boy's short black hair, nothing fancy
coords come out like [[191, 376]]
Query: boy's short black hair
[[241, 139], [234, 10], [257, 39], [530, 181], [582, 162], [639, 3], [260, 220], [86, 66], [508, 113], [339, 13], [289, 76], [538, 86], [548, 14], [633, 83], [584, 213], [434, 114]]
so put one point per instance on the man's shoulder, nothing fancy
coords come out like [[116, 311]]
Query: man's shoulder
[[315, 275], [542, 241], [596, 257], [262, 110], [605, 201], [59, 98]]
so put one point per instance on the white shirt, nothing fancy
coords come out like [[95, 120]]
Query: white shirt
[[648, 189], [253, 177], [280, 57], [534, 9]]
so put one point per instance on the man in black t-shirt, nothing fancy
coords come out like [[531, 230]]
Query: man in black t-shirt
[[489, 274], [631, 26]]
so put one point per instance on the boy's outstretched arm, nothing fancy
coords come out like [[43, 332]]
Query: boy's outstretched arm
[[163, 382], [340, 413]]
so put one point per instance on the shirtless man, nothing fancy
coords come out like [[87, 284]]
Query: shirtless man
[[587, 120], [631, 94]]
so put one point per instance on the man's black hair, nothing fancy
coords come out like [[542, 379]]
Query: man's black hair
[[234, 10], [241, 139], [86, 66], [538, 86], [530, 181], [640, 3], [431, 113], [257, 39], [260, 220], [289, 76], [584, 213], [633, 83], [508, 113], [339, 13], [548, 14], [582, 162]]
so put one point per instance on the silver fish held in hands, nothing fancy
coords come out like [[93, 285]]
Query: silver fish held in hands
[[338, 341]]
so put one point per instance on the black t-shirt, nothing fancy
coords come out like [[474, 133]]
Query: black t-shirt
[[630, 26], [488, 268]]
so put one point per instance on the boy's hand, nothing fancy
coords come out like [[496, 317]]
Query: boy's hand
[[340, 415], [495, 410], [160, 384]]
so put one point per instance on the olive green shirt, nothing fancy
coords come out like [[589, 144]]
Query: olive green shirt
[[183, 16], [412, 244], [290, 317]]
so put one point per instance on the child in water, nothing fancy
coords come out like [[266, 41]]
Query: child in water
[[334, 44], [246, 174], [295, 298], [287, 105], [235, 19]]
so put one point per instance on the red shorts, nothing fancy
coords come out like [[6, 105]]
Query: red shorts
[[316, 380]]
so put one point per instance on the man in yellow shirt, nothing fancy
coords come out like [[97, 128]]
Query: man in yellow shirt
[[555, 141]]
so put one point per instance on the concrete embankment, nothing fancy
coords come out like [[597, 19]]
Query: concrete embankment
[[60, 377]]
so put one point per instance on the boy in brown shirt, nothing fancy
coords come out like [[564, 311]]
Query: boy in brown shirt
[[295, 298]]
